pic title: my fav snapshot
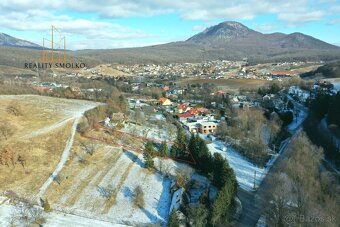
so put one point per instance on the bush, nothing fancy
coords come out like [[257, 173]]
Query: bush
[[139, 197], [47, 206]]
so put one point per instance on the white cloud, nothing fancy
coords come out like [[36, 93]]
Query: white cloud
[[301, 17], [33, 15], [190, 9]]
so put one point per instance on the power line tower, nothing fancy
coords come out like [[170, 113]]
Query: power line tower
[[54, 50]]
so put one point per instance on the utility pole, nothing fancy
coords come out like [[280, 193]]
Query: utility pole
[[65, 49], [255, 180], [52, 44]]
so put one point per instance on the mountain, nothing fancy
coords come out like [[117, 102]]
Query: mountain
[[228, 40], [233, 33], [9, 41]]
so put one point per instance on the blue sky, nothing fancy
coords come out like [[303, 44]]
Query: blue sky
[[90, 24]]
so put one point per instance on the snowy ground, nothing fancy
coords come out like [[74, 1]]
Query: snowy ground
[[244, 170], [56, 219], [299, 117]]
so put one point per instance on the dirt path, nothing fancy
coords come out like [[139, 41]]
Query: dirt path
[[66, 152]]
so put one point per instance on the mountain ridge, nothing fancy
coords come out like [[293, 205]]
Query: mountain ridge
[[228, 40], [10, 41]]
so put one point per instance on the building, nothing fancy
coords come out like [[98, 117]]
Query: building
[[182, 108], [164, 101], [184, 116], [207, 127]]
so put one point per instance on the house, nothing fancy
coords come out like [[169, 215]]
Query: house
[[207, 127], [219, 93], [184, 116], [192, 127], [182, 108], [164, 101]]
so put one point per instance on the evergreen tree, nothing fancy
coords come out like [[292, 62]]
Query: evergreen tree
[[198, 215], [163, 150], [222, 203], [173, 219], [181, 142], [173, 151], [148, 155], [204, 157], [221, 171]]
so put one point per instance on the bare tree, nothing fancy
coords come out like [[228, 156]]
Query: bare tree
[[88, 147], [6, 130], [14, 109]]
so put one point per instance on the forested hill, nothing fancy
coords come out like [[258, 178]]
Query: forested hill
[[330, 70]]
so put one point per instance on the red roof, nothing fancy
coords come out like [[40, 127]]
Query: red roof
[[162, 99], [183, 106], [185, 115]]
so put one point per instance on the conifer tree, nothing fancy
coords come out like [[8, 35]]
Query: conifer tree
[[173, 219], [163, 150], [148, 155]]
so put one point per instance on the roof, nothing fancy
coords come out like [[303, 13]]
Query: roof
[[185, 115], [163, 99], [207, 123], [183, 106]]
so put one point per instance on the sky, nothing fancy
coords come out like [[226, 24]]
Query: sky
[[103, 24]]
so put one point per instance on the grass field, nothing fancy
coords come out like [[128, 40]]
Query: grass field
[[40, 132]]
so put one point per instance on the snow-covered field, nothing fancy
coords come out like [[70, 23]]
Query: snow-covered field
[[244, 170], [124, 175]]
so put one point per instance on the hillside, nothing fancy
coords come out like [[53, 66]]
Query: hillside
[[227, 40], [330, 70], [17, 57], [7, 40]]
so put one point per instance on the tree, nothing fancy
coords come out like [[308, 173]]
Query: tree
[[47, 206], [7, 156], [222, 203], [22, 159], [198, 216], [181, 142], [148, 155], [290, 105], [173, 219], [139, 197], [6, 130], [163, 150]]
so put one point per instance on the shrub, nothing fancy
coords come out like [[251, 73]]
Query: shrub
[[139, 197]]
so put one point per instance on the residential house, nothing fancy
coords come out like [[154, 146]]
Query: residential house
[[207, 127], [164, 101], [182, 108]]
